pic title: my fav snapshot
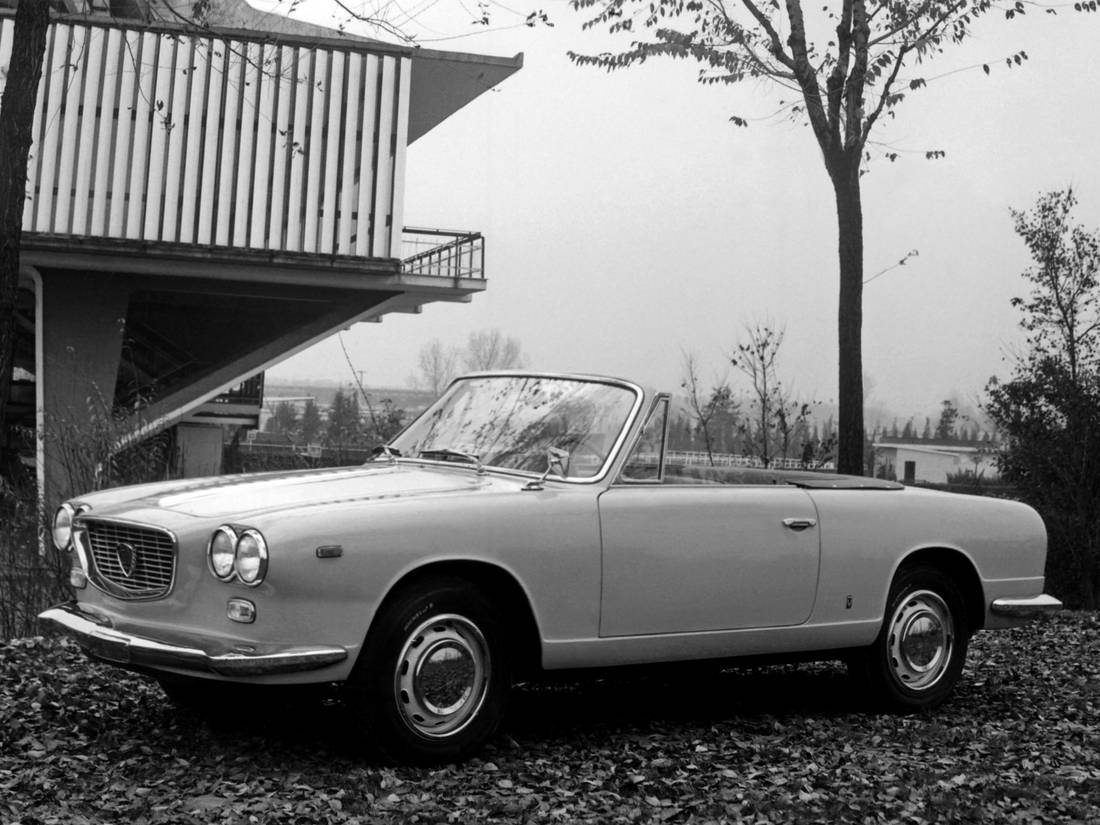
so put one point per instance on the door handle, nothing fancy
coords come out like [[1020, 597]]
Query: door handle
[[799, 524]]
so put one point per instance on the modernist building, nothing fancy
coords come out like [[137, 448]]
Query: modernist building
[[204, 202]]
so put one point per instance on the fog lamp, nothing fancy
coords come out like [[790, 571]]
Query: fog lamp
[[77, 579], [241, 610]]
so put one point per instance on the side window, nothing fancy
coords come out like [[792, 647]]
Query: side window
[[647, 456]]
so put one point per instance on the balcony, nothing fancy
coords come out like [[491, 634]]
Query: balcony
[[441, 253], [162, 136]]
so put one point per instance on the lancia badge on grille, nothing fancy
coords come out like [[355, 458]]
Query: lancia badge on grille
[[127, 558]]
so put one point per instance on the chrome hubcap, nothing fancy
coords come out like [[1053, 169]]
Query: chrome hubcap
[[921, 640], [442, 675]]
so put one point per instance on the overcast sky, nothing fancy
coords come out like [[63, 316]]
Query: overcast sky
[[628, 221]]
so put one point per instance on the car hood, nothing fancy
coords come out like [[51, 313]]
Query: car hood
[[235, 496]]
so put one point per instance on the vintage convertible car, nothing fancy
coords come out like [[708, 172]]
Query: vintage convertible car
[[528, 523]]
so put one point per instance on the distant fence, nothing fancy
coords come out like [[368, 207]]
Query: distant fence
[[734, 460]]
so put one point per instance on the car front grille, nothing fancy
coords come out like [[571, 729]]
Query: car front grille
[[130, 561]]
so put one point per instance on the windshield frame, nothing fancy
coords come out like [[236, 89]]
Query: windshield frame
[[613, 453]]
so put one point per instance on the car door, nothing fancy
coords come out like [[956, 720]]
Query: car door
[[683, 558], [683, 552]]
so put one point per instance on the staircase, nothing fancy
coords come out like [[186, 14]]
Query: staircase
[[150, 365]]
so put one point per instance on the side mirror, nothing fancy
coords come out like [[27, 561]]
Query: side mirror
[[555, 457]]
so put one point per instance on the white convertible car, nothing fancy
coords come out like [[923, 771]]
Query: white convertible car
[[527, 523]]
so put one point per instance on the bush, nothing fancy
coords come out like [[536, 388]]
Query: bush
[[1052, 455], [32, 576], [1049, 412]]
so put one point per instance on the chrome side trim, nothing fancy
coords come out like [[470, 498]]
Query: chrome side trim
[[119, 648], [1026, 608]]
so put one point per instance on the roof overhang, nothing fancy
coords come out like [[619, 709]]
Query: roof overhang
[[444, 82]]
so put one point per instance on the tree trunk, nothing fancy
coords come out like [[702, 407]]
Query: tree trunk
[[16, 118], [849, 211]]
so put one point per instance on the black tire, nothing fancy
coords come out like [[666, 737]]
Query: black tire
[[918, 657], [432, 681]]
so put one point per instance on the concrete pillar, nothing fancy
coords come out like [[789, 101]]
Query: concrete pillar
[[200, 449], [83, 318]]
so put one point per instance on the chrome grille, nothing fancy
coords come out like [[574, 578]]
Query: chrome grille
[[131, 561]]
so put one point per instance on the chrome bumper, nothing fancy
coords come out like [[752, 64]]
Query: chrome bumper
[[110, 645], [1028, 608]]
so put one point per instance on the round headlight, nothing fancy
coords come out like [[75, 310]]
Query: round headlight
[[221, 552], [63, 526], [251, 560]]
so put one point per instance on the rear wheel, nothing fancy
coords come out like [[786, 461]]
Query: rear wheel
[[918, 656], [431, 683]]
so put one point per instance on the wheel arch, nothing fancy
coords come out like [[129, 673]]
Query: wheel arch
[[503, 590], [961, 569]]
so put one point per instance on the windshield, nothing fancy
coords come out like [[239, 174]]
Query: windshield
[[510, 421]]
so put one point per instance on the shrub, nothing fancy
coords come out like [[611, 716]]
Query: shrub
[[1051, 426], [1049, 412], [32, 576]]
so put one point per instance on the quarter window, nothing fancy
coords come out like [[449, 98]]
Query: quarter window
[[647, 457]]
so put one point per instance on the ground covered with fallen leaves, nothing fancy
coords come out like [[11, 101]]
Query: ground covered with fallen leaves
[[1019, 742]]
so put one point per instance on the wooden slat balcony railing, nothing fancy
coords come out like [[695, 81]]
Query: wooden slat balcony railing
[[174, 136]]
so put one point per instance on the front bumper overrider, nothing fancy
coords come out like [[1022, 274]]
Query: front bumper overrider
[[110, 645]]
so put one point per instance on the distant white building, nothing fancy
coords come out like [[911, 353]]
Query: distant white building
[[931, 460]]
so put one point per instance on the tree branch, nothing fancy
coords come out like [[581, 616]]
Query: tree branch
[[739, 38], [777, 43], [917, 15], [871, 118], [835, 84], [807, 78], [853, 121]]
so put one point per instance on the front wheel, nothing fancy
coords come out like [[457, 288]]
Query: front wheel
[[918, 656], [431, 683]]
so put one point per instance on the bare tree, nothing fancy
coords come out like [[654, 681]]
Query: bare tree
[[756, 359], [718, 402], [436, 364], [490, 350], [778, 420], [1062, 312]]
